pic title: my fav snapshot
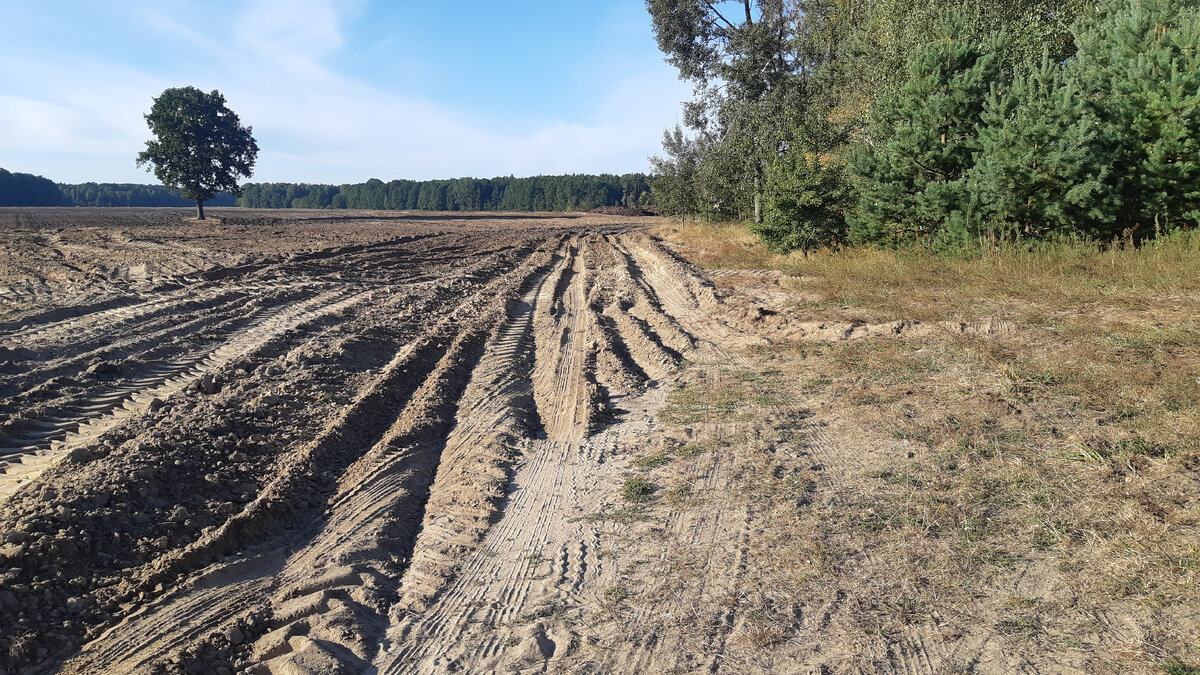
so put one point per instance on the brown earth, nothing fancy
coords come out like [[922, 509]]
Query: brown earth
[[285, 442]]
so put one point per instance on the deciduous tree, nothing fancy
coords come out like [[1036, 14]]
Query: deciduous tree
[[200, 146]]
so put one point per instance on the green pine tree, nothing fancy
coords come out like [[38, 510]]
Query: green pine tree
[[1039, 170], [1139, 70], [922, 143]]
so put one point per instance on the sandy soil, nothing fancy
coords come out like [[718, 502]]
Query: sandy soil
[[280, 443], [377, 443]]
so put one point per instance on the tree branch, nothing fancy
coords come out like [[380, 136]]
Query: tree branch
[[719, 16], [929, 170]]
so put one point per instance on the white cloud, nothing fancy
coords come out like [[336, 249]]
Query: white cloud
[[314, 124]]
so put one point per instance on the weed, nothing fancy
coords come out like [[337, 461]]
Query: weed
[[544, 611], [653, 461], [1140, 446], [814, 384], [627, 514], [912, 435], [615, 595], [637, 490], [1026, 625], [905, 477], [724, 400], [1174, 667], [704, 446]]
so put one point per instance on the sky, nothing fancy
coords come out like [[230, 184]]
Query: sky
[[339, 91]]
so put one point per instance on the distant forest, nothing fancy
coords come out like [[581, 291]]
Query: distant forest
[[24, 189], [130, 194], [576, 192]]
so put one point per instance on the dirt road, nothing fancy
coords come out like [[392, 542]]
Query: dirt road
[[233, 446]]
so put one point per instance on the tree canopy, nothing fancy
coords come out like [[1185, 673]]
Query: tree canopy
[[130, 194], [23, 189], [935, 122], [200, 146], [575, 192]]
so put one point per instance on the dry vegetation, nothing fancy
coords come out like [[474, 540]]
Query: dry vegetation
[[1027, 500]]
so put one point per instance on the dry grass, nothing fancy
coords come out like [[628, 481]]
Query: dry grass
[[1041, 487], [1006, 283]]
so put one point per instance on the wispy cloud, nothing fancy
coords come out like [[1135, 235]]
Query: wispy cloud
[[313, 123]]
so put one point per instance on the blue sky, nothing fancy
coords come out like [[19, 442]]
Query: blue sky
[[341, 90]]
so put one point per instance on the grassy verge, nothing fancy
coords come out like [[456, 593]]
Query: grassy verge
[[1039, 487], [1110, 335]]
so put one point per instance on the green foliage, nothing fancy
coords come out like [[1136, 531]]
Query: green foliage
[[1039, 170], [129, 194], [1139, 70], [806, 199], [676, 190], [884, 76], [922, 142], [200, 146], [874, 40], [23, 189], [745, 61], [536, 193]]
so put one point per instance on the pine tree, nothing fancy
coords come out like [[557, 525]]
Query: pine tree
[[1139, 70], [922, 143], [806, 198], [1039, 169]]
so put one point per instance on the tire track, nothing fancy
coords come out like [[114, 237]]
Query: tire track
[[25, 464], [439, 513], [384, 482]]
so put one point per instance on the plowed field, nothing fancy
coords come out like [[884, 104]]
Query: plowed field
[[277, 443]]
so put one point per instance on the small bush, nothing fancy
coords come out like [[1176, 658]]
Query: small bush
[[637, 490]]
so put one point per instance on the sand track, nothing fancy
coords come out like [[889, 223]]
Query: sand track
[[336, 459]]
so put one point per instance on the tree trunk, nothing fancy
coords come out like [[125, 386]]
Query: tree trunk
[[200, 209], [757, 201]]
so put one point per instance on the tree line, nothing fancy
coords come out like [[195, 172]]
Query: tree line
[[535, 193], [24, 189], [945, 123], [130, 194], [576, 192]]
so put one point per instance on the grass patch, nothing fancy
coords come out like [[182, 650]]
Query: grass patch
[[1173, 667], [926, 286], [638, 491], [1062, 444], [733, 397], [654, 461]]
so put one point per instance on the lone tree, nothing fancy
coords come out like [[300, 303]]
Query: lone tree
[[200, 146]]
